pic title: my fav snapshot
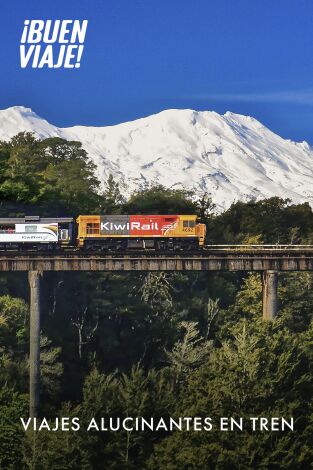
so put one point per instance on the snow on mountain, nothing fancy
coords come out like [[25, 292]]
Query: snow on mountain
[[230, 156]]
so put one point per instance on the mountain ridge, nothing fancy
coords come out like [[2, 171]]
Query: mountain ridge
[[232, 157]]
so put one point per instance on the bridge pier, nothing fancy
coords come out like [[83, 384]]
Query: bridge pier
[[34, 278], [270, 299]]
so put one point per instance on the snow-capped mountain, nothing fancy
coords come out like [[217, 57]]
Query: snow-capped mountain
[[230, 156]]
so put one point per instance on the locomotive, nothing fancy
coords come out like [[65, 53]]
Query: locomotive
[[103, 232]]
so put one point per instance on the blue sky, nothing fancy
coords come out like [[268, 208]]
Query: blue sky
[[141, 56]]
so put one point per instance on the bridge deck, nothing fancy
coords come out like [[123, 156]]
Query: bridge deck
[[212, 258]]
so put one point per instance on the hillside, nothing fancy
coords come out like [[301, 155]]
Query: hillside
[[230, 156]]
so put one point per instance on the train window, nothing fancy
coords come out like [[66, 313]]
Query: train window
[[63, 234], [30, 228], [92, 228], [7, 229], [189, 223]]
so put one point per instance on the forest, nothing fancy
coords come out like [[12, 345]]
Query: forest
[[153, 344]]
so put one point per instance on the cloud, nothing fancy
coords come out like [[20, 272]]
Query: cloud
[[295, 96]]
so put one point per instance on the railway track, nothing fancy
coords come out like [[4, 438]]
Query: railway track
[[211, 258], [203, 252]]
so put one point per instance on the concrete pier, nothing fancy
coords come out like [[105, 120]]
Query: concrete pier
[[34, 278], [270, 300]]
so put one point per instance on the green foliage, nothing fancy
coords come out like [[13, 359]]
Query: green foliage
[[156, 290], [153, 344], [12, 407], [13, 320], [188, 353], [296, 296], [272, 220], [249, 298], [205, 207], [137, 394], [51, 368], [54, 174], [113, 199], [160, 200], [57, 450], [260, 370], [13, 342]]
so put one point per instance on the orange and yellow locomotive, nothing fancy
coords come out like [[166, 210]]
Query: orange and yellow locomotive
[[140, 231]]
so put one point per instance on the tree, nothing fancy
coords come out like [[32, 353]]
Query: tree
[[205, 207], [188, 353], [160, 200], [12, 406], [212, 311], [51, 368], [261, 369], [13, 342], [69, 178], [156, 290], [113, 199], [54, 174], [85, 329]]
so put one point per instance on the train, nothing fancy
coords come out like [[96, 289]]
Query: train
[[103, 232]]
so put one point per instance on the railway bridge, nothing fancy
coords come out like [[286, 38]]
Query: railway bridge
[[266, 259]]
